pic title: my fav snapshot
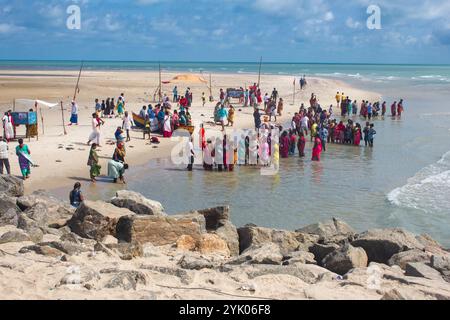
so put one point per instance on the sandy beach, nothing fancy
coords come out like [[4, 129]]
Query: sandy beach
[[62, 158]]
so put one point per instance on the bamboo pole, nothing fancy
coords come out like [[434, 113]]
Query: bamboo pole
[[211, 99], [78, 82], [62, 115], [259, 74], [160, 85]]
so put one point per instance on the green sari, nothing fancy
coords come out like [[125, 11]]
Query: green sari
[[93, 163]]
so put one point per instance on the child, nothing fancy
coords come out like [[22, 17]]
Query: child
[[118, 135], [372, 134], [203, 99]]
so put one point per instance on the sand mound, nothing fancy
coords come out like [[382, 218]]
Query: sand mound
[[188, 78]]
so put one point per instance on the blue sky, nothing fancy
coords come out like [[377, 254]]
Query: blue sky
[[414, 31]]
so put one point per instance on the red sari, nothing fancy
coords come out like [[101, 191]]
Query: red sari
[[284, 147], [317, 150], [357, 137]]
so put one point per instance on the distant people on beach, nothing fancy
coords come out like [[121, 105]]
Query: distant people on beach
[[74, 113], [96, 129], [8, 126]]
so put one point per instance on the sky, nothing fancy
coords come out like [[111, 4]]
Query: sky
[[412, 31]]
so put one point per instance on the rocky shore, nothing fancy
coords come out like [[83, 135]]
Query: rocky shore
[[129, 248]]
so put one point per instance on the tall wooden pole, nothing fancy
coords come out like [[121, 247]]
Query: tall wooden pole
[[259, 74], [293, 103], [210, 88], [78, 82], [14, 105], [62, 115], [160, 85]]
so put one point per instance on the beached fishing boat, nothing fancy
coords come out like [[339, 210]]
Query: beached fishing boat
[[140, 123]]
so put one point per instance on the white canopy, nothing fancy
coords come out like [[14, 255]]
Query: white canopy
[[30, 103]]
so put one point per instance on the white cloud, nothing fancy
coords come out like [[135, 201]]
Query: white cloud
[[6, 28], [352, 23]]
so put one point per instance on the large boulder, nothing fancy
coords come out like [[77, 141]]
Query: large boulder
[[401, 259], [419, 269], [160, 230], [267, 253], [345, 259], [96, 220], [15, 236], [381, 244], [9, 211], [299, 257], [333, 230], [308, 273], [11, 186], [45, 209], [251, 235], [218, 222], [137, 203], [442, 264]]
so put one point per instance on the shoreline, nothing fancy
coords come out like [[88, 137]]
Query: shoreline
[[61, 168]]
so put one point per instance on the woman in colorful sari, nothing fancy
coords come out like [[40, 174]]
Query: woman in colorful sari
[[293, 142], [357, 135], [167, 127], [301, 145], [284, 145], [22, 151], [317, 149], [93, 163], [120, 107], [117, 166]]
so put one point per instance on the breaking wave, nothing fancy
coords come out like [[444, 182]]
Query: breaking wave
[[428, 190]]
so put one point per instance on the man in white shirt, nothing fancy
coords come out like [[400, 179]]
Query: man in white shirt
[[304, 124], [190, 153], [4, 157]]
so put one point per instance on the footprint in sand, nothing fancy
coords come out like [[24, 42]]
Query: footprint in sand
[[59, 161]]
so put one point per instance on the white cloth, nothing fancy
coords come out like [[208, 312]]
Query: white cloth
[[127, 122], [7, 127], [167, 124], [305, 121], [4, 154]]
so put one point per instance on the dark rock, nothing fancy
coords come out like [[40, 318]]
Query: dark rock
[[214, 217], [320, 251], [95, 220], [405, 257], [418, 269], [11, 186], [8, 210], [42, 250], [345, 259], [137, 203], [160, 230], [127, 280], [381, 244]]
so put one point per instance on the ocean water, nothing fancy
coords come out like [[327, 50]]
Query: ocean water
[[404, 181]]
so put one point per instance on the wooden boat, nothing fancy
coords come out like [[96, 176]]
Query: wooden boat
[[138, 121]]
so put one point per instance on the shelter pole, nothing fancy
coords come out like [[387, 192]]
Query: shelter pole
[[14, 105], [160, 85], [62, 115], [293, 103]]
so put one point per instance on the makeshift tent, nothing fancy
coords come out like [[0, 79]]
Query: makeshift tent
[[35, 104]]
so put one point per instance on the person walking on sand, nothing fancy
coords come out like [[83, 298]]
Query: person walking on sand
[[96, 133], [175, 94], [223, 115], [74, 114], [4, 157], [8, 129], [93, 163], [127, 124], [280, 107], [76, 196], [23, 153]]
